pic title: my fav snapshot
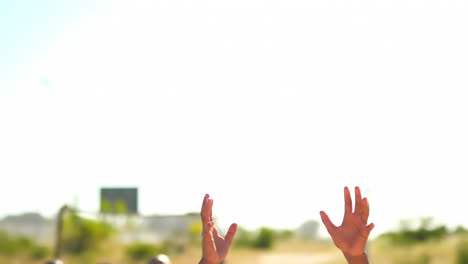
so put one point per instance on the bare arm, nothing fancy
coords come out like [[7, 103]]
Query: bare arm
[[351, 237]]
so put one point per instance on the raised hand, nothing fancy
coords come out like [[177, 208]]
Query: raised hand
[[351, 237], [214, 247]]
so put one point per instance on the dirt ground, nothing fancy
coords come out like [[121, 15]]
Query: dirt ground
[[297, 258]]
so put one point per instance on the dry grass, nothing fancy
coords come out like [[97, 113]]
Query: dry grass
[[291, 252], [431, 252]]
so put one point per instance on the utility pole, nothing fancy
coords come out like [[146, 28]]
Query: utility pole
[[58, 232]]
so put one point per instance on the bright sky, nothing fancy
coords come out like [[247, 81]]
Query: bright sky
[[272, 107]]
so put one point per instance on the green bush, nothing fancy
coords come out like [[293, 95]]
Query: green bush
[[195, 229], [264, 239], [462, 252], [460, 230], [80, 234], [407, 235], [413, 236], [8, 245], [285, 234], [142, 251], [173, 246], [39, 252], [21, 245], [244, 238]]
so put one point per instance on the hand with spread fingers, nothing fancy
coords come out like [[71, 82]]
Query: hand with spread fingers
[[351, 237], [214, 247]]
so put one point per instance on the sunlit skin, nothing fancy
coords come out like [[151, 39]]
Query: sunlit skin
[[214, 247], [351, 236]]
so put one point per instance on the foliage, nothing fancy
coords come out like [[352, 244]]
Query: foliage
[[263, 239], [21, 245], [243, 238], [80, 234], [7, 245], [142, 251], [462, 252], [422, 233], [39, 252], [285, 234], [173, 247], [460, 230], [195, 230]]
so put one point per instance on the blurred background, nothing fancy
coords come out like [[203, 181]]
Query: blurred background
[[116, 117]]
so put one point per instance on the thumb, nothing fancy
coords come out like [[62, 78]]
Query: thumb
[[326, 221], [365, 232], [231, 233]]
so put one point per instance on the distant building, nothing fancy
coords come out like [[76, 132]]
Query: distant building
[[32, 225], [154, 228], [308, 230], [169, 225], [157, 228], [119, 207]]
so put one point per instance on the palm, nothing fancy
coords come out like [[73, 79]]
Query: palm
[[352, 235], [221, 247], [214, 246], [348, 237]]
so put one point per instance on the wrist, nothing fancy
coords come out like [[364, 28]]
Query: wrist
[[356, 259]]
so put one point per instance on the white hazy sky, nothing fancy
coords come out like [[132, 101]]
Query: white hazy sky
[[272, 107]]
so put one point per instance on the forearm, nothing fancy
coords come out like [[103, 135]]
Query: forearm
[[362, 259], [204, 261]]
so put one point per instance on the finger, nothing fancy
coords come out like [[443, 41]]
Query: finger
[[357, 200], [365, 232], [348, 202], [204, 201], [210, 210], [203, 212], [208, 230], [208, 241], [365, 210], [328, 224], [231, 233]]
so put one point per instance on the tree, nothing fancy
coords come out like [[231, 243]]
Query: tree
[[80, 234], [264, 239]]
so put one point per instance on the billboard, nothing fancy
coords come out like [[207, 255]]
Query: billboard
[[119, 200]]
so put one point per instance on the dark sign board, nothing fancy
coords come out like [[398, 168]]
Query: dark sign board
[[119, 200]]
